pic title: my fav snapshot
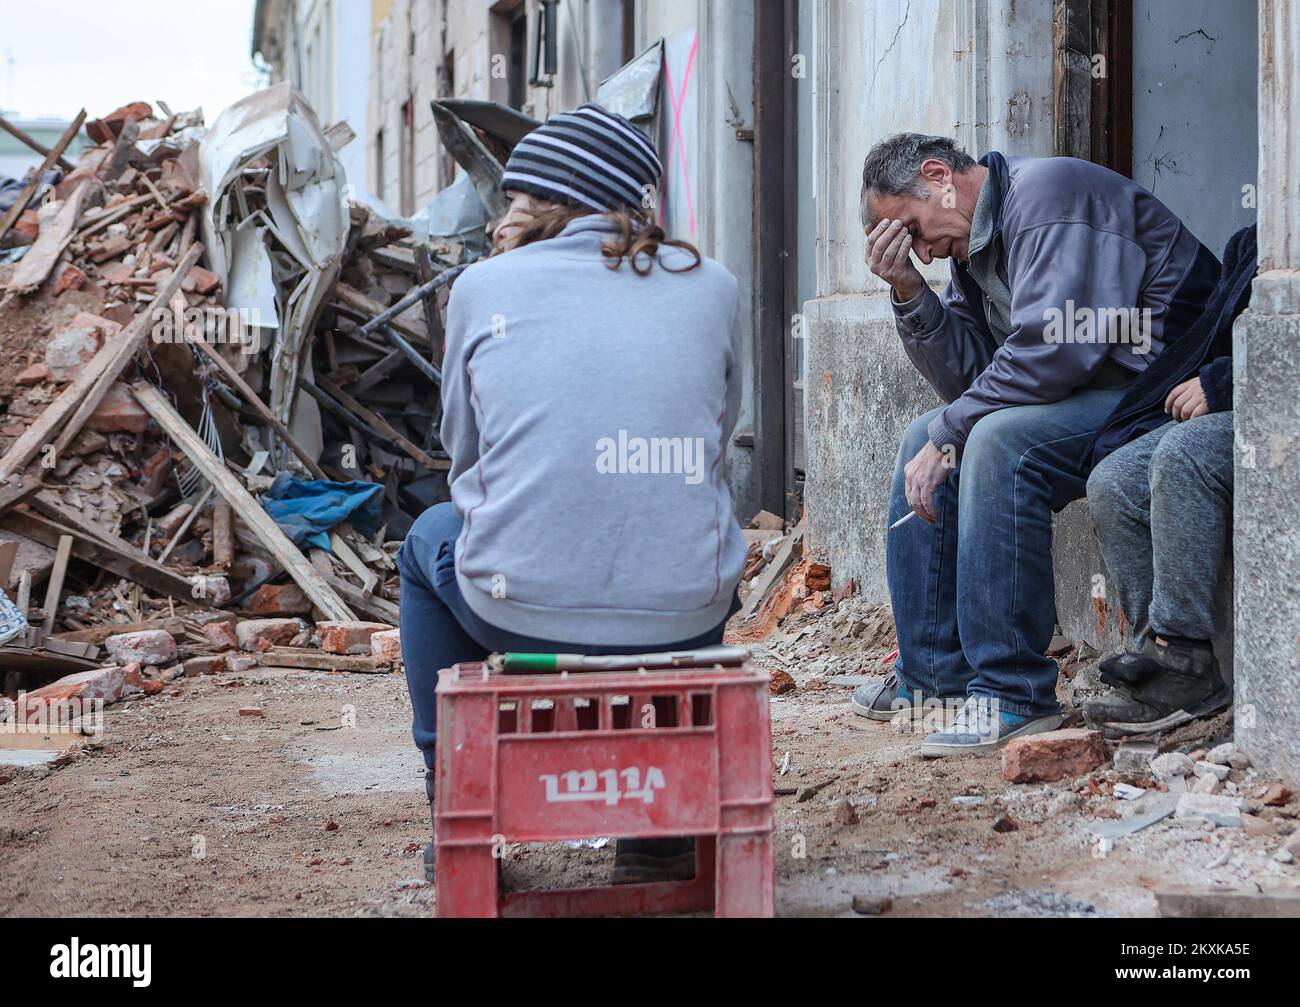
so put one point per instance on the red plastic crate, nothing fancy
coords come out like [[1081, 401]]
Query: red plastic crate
[[543, 758]]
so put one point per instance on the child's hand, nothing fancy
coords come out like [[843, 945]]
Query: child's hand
[[1187, 401]]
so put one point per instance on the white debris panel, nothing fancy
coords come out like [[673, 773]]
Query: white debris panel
[[275, 227]]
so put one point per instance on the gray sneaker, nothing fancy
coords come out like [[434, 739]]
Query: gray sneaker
[[886, 699]]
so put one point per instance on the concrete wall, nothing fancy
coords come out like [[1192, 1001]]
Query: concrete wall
[[1266, 390], [1194, 152]]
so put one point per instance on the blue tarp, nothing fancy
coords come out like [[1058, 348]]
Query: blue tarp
[[306, 509]]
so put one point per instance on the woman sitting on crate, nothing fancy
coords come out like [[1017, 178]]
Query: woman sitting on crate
[[590, 383]]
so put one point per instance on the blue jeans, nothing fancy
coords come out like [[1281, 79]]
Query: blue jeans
[[439, 629], [974, 600]]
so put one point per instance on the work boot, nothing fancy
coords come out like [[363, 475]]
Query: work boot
[[1157, 688], [640, 861], [428, 850]]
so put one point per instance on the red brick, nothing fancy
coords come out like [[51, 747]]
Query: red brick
[[33, 374], [200, 280], [278, 599], [387, 645], [107, 684], [207, 664], [68, 277], [28, 224], [118, 411], [268, 632], [1054, 755], [105, 130], [221, 635], [348, 637]]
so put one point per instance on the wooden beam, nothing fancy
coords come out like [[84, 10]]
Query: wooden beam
[[55, 587], [251, 397], [63, 417], [40, 148], [380, 424], [29, 190], [129, 562], [139, 330], [249, 510]]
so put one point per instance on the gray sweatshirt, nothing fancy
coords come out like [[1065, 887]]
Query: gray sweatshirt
[[1078, 278], [586, 411]]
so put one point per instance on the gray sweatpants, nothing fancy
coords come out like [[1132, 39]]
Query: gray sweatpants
[[1162, 505]]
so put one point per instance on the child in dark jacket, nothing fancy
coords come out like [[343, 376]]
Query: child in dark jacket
[[1162, 504]]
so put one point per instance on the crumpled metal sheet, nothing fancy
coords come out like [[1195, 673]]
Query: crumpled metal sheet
[[297, 241], [633, 89]]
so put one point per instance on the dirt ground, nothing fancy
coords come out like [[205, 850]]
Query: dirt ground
[[316, 808]]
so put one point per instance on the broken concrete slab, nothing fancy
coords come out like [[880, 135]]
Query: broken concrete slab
[[1222, 811]]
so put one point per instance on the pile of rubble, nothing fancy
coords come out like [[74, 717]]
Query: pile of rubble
[[218, 400]]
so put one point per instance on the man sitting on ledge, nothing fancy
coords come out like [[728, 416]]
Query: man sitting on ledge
[[1067, 280]]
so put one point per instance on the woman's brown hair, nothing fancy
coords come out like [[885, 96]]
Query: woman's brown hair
[[637, 235]]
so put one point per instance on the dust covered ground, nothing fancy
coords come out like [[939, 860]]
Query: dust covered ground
[[316, 808]]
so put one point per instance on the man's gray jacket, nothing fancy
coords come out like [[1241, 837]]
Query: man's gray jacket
[[1078, 277]]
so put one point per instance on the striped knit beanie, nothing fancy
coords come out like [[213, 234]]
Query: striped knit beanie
[[589, 157]]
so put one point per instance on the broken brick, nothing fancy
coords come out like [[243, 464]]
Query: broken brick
[[200, 280], [221, 635], [207, 664], [268, 632], [68, 277], [33, 374], [49, 704], [1053, 755], [387, 645], [278, 599], [28, 224], [118, 412], [348, 637], [148, 646], [780, 682]]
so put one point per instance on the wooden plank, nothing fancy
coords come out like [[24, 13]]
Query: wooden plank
[[380, 424], [296, 657], [367, 309], [223, 535], [250, 511], [227, 369], [352, 561], [126, 351], [29, 190], [40, 148], [50, 243], [98, 634], [126, 562], [17, 490], [379, 609], [63, 412], [55, 587]]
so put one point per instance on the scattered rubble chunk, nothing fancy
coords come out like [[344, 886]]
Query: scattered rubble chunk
[[348, 637], [1171, 765], [260, 634], [781, 682], [872, 905], [1222, 811], [1053, 755], [151, 646], [1135, 757]]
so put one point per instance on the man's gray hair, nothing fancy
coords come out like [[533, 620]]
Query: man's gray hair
[[893, 167]]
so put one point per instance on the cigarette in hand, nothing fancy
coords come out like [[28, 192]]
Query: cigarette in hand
[[906, 517]]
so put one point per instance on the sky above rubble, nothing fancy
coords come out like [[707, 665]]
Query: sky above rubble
[[55, 60]]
